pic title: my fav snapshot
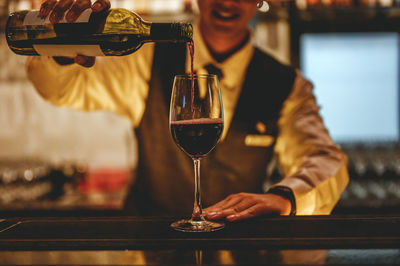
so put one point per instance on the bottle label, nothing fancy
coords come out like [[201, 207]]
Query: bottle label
[[33, 18], [68, 50]]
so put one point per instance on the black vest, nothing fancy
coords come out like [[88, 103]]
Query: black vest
[[165, 177]]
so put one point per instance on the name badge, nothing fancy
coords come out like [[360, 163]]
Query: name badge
[[259, 140]]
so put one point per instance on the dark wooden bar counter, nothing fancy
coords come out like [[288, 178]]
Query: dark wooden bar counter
[[154, 233], [303, 236]]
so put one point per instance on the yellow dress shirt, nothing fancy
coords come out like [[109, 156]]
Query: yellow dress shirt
[[314, 168]]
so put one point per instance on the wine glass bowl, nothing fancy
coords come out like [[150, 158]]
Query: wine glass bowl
[[196, 125]]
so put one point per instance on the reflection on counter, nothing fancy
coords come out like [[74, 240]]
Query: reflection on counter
[[204, 257]]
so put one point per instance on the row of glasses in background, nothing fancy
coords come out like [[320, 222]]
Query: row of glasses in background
[[374, 171], [33, 184], [374, 185]]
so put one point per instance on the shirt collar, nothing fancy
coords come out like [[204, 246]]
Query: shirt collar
[[233, 68]]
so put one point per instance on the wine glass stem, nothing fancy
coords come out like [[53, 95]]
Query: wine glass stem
[[197, 210]]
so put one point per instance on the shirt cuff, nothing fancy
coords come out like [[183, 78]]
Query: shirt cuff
[[286, 193]]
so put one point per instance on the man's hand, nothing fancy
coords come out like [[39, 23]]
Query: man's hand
[[72, 9], [248, 205]]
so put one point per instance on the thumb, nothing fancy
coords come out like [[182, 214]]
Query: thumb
[[85, 61]]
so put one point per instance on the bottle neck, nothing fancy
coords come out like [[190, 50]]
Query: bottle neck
[[179, 32]]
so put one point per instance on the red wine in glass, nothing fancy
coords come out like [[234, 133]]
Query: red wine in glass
[[196, 125], [197, 137]]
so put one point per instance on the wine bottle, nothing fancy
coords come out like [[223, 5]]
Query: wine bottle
[[114, 32]]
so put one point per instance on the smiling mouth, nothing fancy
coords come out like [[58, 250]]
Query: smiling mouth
[[223, 15]]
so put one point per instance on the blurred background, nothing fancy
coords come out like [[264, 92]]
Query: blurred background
[[56, 158]]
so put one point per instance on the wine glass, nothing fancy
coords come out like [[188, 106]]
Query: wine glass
[[196, 124]]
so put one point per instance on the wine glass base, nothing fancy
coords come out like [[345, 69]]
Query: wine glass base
[[190, 225]]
